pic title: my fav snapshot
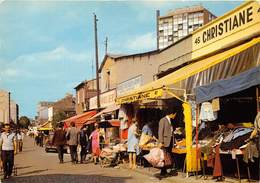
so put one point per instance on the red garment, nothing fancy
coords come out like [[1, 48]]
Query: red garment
[[217, 172], [124, 134], [95, 142], [210, 161]]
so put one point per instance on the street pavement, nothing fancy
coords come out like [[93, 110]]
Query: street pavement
[[34, 165]]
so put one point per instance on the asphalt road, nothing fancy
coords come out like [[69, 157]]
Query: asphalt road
[[34, 165]]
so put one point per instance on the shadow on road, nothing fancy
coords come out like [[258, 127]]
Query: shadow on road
[[67, 178], [32, 172], [23, 167]]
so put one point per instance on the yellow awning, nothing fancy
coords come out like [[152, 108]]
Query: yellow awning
[[45, 126], [42, 129], [183, 73]]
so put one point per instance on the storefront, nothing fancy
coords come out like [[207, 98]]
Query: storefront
[[181, 83]]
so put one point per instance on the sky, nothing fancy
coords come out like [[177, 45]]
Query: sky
[[47, 47]]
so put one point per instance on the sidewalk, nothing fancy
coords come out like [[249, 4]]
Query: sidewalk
[[182, 177]]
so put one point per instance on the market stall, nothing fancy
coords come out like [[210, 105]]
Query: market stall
[[227, 110]]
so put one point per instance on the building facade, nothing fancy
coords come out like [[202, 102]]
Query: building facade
[[4, 106], [84, 91], [14, 112], [179, 23], [141, 68], [9, 110], [65, 105], [42, 111]]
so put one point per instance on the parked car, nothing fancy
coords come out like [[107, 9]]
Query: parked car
[[49, 147]]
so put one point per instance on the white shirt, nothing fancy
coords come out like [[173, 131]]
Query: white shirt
[[7, 141], [19, 136], [169, 119]]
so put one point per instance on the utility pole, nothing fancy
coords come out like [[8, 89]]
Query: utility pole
[[157, 27], [9, 107], [97, 73], [106, 41]]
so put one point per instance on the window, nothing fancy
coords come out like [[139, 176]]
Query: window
[[180, 26], [170, 38], [196, 20], [180, 33], [175, 27]]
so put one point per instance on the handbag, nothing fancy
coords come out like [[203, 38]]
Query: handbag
[[167, 158]]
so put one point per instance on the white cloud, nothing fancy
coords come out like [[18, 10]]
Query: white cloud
[[43, 65], [142, 42], [58, 54], [10, 72]]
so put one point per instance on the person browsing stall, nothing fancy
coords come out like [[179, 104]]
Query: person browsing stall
[[166, 135], [132, 144]]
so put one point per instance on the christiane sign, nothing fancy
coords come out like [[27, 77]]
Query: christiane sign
[[140, 96], [241, 23]]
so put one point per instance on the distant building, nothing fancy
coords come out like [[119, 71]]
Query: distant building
[[14, 112], [8, 109], [84, 91], [4, 106], [179, 23], [66, 105], [42, 110]]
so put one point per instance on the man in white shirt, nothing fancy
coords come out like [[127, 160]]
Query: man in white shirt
[[8, 149]]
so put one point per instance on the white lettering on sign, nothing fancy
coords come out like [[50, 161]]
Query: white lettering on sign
[[129, 85]]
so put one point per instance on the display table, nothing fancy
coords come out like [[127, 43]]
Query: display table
[[234, 153]]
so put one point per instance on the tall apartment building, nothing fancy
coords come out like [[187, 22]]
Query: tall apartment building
[[179, 23]]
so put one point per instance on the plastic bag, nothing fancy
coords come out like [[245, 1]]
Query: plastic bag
[[155, 157]]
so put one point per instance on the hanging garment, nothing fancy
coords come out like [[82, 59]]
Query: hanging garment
[[215, 104], [206, 112], [193, 112], [250, 152], [123, 119]]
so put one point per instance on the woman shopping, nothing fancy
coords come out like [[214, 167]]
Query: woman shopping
[[95, 139], [132, 147]]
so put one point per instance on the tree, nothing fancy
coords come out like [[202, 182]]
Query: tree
[[24, 122], [58, 117]]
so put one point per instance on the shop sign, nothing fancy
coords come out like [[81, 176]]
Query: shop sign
[[106, 99], [140, 96], [240, 23], [128, 85]]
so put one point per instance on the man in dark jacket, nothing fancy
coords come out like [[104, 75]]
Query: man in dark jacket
[[83, 140], [166, 137], [72, 138], [59, 140]]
